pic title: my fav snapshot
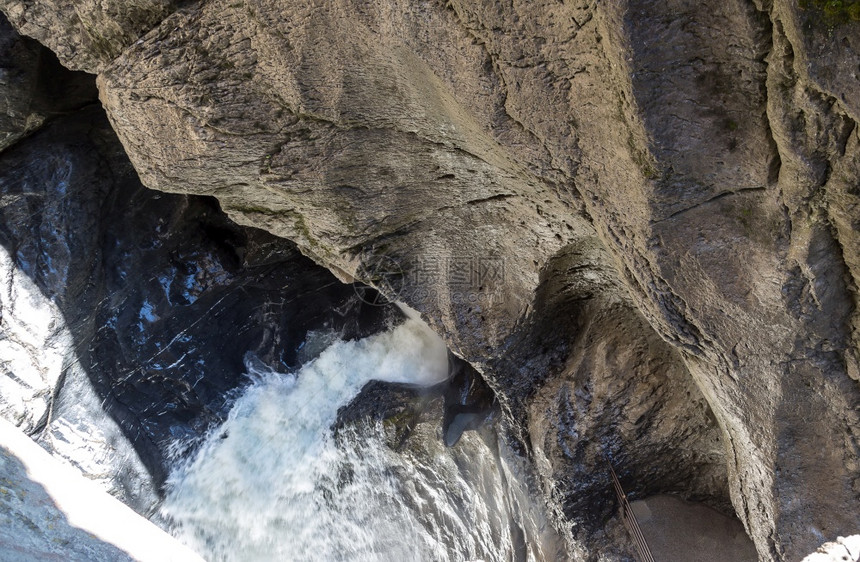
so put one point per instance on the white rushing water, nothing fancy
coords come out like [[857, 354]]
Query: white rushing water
[[273, 483]]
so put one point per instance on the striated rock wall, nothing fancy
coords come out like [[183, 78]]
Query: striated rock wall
[[637, 219]]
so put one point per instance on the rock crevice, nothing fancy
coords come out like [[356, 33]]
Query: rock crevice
[[670, 189]]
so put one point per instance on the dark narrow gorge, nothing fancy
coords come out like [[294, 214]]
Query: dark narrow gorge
[[430, 280]]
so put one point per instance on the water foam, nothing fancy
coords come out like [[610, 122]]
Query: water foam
[[255, 490], [273, 483]]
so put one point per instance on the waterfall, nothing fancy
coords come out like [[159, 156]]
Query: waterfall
[[274, 483]]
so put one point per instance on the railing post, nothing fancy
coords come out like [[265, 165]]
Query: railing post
[[629, 519]]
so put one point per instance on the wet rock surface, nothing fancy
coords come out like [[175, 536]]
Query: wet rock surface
[[459, 475], [637, 220], [49, 511], [462, 403], [152, 302], [483, 242]]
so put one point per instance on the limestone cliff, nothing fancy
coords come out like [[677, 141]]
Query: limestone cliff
[[638, 220]]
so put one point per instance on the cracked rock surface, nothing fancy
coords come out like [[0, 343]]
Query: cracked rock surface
[[638, 220]]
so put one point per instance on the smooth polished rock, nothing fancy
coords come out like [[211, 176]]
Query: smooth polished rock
[[50, 511]]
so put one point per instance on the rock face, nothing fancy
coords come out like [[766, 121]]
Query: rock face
[[678, 531], [638, 220], [51, 512], [34, 86], [138, 305], [302, 145], [86, 35], [481, 478]]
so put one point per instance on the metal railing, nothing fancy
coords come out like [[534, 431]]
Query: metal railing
[[629, 519]]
